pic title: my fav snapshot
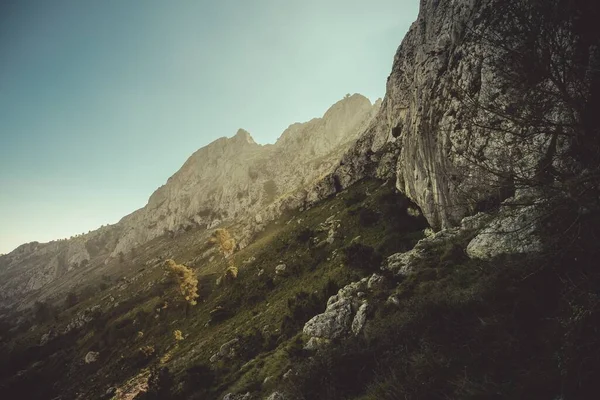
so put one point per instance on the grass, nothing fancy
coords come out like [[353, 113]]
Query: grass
[[510, 328]]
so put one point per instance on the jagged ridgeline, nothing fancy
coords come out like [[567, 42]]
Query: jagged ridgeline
[[438, 244]]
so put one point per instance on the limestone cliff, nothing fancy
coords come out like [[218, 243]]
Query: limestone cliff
[[234, 178], [454, 110]]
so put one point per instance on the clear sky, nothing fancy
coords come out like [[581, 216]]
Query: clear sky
[[102, 100]]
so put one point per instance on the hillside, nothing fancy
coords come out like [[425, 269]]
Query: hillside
[[439, 244], [229, 179]]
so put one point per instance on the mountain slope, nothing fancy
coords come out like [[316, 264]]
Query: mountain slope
[[229, 179]]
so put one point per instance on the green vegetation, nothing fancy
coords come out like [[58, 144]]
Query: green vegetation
[[520, 327]]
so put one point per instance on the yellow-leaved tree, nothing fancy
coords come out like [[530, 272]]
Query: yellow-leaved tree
[[226, 245], [188, 283]]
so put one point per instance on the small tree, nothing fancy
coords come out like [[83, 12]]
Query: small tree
[[222, 238], [226, 246], [188, 283]]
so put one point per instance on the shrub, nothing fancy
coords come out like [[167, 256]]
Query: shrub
[[199, 377], [360, 256], [42, 312], [301, 307], [354, 198], [160, 384], [188, 283], [71, 300], [367, 217], [231, 274], [305, 235], [177, 335]]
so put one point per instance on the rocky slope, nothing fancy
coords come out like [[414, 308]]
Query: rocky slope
[[229, 179]]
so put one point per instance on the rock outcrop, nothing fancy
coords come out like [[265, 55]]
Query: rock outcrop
[[345, 314]]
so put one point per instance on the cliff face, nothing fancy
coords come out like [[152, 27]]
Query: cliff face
[[231, 179], [410, 137], [456, 115]]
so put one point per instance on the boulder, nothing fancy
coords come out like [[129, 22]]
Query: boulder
[[513, 231], [360, 319], [91, 357], [333, 323], [280, 269], [376, 281]]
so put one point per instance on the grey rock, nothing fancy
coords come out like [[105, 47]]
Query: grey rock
[[402, 264], [91, 357], [280, 269], [333, 323], [229, 349], [315, 343], [233, 396], [290, 371], [514, 231], [360, 318], [376, 281], [276, 396], [393, 300]]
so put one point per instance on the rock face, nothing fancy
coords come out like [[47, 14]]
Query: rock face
[[34, 265], [515, 230], [426, 133], [346, 313], [231, 179]]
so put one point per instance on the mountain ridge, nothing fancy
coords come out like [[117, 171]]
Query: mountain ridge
[[193, 197]]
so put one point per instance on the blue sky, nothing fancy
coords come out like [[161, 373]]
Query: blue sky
[[101, 101]]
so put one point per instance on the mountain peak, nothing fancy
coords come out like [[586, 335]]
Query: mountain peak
[[244, 135]]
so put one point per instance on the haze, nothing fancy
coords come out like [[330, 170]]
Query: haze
[[100, 102]]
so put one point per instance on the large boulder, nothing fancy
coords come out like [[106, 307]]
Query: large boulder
[[513, 231], [346, 313]]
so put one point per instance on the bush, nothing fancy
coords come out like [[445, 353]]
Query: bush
[[354, 198], [198, 378], [186, 279], [301, 307], [360, 256], [367, 217], [160, 384], [71, 300], [305, 235]]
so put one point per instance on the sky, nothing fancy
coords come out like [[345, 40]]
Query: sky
[[101, 101]]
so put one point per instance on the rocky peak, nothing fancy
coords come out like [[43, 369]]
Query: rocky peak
[[235, 177], [230, 178], [243, 136]]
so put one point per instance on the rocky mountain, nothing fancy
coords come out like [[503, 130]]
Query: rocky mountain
[[489, 125], [229, 179], [233, 178]]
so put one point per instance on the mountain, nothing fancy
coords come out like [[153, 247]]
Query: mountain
[[439, 244], [229, 179]]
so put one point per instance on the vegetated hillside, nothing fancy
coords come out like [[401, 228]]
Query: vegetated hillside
[[264, 309], [351, 297], [521, 326], [231, 179]]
